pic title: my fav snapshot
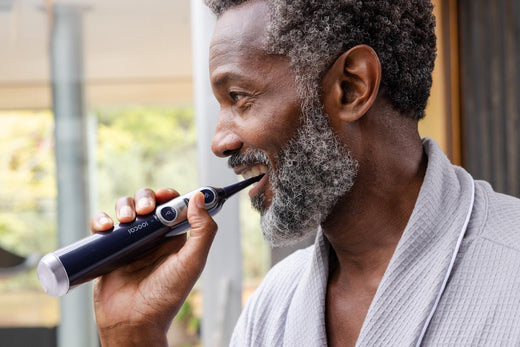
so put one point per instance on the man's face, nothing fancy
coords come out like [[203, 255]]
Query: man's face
[[264, 129]]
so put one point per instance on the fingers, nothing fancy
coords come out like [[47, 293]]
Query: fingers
[[165, 194], [125, 209], [100, 222], [144, 201]]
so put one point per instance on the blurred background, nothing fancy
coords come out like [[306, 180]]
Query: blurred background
[[100, 98]]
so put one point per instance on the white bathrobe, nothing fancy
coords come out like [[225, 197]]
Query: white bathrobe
[[454, 278]]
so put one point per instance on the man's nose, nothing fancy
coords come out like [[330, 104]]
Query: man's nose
[[225, 142]]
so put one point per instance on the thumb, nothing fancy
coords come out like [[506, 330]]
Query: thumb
[[179, 272], [203, 230]]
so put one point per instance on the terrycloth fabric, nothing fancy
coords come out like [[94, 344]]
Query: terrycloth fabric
[[480, 305]]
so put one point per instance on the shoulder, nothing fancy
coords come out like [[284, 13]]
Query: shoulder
[[483, 291], [264, 315], [498, 215]]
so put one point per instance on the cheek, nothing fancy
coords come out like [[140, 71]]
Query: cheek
[[269, 128], [265, 135]]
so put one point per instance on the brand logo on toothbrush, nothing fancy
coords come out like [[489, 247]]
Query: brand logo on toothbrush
[[138, 227]]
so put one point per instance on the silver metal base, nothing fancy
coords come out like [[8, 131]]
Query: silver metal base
[[52, 275]]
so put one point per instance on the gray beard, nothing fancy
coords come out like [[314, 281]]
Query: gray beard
[[313, 171]]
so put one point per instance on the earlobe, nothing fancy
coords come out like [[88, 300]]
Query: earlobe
[[351, 85]]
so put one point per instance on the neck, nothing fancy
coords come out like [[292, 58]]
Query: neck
[[366, 224]]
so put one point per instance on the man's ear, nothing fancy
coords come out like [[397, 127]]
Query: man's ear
[[351, 85]]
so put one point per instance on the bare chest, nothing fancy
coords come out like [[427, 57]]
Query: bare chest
[[345, 314]]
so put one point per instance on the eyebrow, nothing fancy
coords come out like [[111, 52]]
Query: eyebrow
[[224, 78]]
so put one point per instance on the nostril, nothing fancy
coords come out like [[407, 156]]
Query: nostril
[[228, 152]]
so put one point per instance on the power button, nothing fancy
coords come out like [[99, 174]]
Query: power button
[[168, 213]]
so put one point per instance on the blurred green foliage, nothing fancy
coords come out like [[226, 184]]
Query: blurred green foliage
[[144, 147], [27, 187]]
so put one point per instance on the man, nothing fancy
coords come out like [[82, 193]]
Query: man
[[324, 97]]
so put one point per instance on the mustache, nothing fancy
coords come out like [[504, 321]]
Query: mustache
[[247, 158]]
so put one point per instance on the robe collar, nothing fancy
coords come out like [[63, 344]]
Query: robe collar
[[413, 279]]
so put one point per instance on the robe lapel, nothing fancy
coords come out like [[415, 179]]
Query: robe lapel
[[420, 262], [305, 324]]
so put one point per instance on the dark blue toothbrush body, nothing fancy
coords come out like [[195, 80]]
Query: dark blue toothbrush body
[[103, 252]]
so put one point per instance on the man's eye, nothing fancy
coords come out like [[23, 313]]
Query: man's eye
[[242, 101], [236, 96]]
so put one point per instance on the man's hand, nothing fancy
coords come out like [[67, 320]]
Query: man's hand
[[136, 303]]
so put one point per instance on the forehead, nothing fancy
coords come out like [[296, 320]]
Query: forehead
[[239, 33]]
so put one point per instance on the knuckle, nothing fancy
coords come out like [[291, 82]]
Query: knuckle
[[206, 223]]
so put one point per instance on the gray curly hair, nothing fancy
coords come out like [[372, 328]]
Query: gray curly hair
[[314, 33]]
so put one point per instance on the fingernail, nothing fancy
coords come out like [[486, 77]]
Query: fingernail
[[104, 221], [144, 203], [125, 212]]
